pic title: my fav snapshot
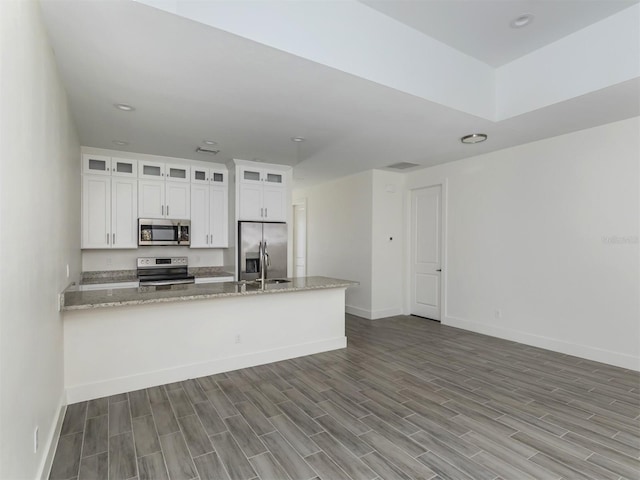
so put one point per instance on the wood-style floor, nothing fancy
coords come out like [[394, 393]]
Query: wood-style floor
[[408, 399]]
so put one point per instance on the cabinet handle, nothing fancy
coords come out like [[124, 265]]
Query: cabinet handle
[[113, 242], [265, 212], [262, 212], [107, 239], [167, 210], [208, 239], [162, 207]]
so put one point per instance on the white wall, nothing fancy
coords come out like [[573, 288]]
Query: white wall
[[548, 233], [40, 235], [387, 255], [339, 235], [116, 259]]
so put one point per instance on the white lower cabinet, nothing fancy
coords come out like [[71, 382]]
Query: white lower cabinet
[[109, 212], [160, 199], [209, 216]]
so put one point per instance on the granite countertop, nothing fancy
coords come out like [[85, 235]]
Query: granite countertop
[[121, 276], [75, 299]]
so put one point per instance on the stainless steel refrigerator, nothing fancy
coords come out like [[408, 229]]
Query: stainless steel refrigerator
[[252, 237]]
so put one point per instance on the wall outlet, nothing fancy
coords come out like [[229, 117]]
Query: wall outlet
[[36, 442], [238, 339], [498, 313]]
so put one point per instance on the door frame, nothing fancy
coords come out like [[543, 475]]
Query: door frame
[[302, 202], [443, 242]]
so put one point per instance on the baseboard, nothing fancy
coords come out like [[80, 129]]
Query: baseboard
[[79, 393], [52, 440], [583, 351], [372, 314], [357, 311]]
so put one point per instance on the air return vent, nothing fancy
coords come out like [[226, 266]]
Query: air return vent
[[403, 165], [207, 150]]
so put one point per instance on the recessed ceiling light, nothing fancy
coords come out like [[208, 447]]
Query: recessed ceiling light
[[297, 139], [120, 142], [521, 20], [209, 142], [473, 138], [124, 107]]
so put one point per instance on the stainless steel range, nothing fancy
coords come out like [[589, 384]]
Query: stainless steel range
[[155, 271]]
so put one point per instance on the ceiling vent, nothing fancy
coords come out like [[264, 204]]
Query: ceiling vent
[[207, 150], [403, 165]]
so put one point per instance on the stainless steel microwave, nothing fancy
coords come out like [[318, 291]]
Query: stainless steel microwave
[[159, 231]]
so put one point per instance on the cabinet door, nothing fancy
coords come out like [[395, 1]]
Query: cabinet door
[[251, 202], [200, 216], [218, 217], [218, 177], [96, 164], [151, 170], [124, 212], [273, 178], [200, 175], [124, 167], [250, 175], [178, 200], [177, 173], [96, 214], [273, 201], [150, 199]]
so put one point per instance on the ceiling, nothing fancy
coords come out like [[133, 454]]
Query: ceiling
[[190, 81], [480, 28]]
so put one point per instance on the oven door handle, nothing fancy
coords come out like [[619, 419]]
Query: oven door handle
[[155, 283]]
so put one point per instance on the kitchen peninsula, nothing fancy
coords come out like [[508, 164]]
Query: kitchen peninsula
[[131, 338]]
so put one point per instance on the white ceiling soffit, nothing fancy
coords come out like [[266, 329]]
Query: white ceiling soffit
[[190, 82], [352, 37], [481, 28]]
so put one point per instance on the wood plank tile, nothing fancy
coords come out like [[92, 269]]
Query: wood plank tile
[[95, 467], [442, 468], [349, 421], [386, 415], [222, 404], [209, 417], [603, 450], [96, 436], [139, 403], [292, 434], [344, 436], [145, 436], [268, 468], [195, 436], [177, 458], [74, 418], [244, 436], [397, 456], [287, 457], [231, 456], [303, 421], [122, 456], [262, 403], [180, 402], [624, 471], [252, 415], [210, 466], [383, 467], [393, 435], [152, 467], [307, 405], [436, 431], [164, 418], [343, 457], [119, 418], [97, 407], [325, 467], [194, 391], [66, 462]]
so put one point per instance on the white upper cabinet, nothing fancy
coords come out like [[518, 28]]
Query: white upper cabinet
[[102, 165], [263, 195], [109, 212], [209, 208], [164, 190]]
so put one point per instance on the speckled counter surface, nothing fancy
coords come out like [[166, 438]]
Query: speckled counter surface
[[82, 300], [121, 276]]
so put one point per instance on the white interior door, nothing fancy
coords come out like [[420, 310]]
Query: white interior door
[[426, 251], [300, 240]]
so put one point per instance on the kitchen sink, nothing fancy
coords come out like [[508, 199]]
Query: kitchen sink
[[277, 280]]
